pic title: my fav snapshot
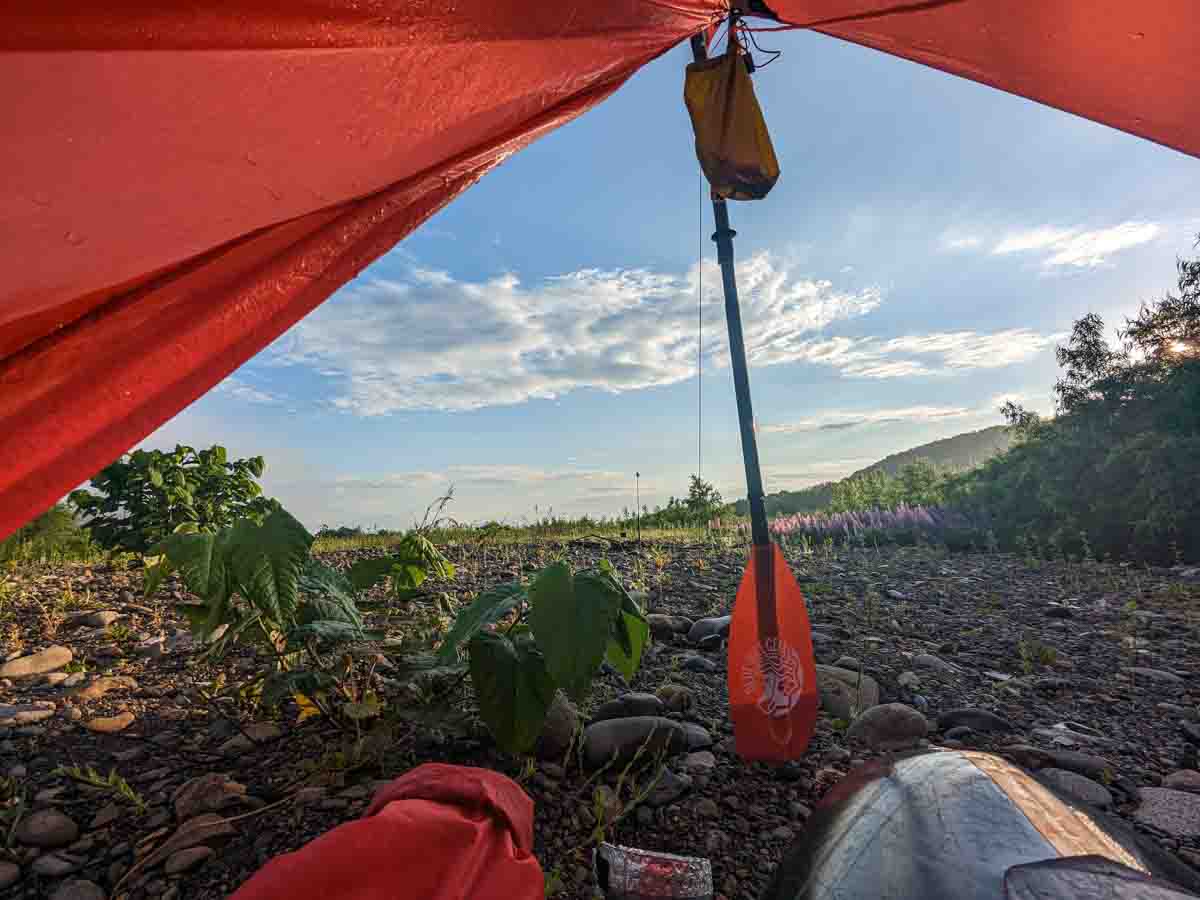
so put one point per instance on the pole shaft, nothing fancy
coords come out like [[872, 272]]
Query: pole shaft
[[737, 355]]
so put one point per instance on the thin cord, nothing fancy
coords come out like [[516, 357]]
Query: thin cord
[[700, 341]]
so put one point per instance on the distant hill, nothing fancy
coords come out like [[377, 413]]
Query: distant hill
[[963, 451]]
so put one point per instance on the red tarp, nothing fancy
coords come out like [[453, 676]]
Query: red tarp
[[179, 184], [438, 832]]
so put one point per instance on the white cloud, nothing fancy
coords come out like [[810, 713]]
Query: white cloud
[[952, 241], [240, 390], [429, 341], [1084, 248], [837, 420]]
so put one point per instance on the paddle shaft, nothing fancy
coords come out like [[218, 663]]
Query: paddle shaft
[[723, 237]]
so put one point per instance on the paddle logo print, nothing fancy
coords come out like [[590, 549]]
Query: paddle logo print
[[774, 673]]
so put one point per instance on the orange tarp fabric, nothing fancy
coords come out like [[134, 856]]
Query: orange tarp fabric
[[180, 183], [439, 832]]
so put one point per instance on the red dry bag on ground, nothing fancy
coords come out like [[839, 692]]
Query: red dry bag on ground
[[439, 832]]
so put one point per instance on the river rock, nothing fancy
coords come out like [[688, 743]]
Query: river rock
[[670, 787], [674, 697], [25, 713], [664, 627], [36, 663], [78, 889], [9, 873], [1190, 731], [254, 734], [560, 728], [56, 865], [976, 719], [936, 663], [1183, 780], [704, 627], [710, 644], [110, 724], [622, 738], [1158, 675], [47, 828], [632, 704], [101, 619], [1078, 787], [698, 737], [842, 692], [1071, 760], [699, 664], [182, 860], [889, 726], [700, 761], [205, 794], [98, 687], [1175, 812], [909, 680]]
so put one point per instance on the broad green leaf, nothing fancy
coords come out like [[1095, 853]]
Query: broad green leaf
[[366, 573], [367, 708], [156, 572], [326, 631], [328, 595], [489, 607], [266, 560], [572, 620], [407, 577], [624, 652], [412, 664], [513, 688], [156, 477]]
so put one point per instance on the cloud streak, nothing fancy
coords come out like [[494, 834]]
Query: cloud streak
[[840, 420], [1078, 247]]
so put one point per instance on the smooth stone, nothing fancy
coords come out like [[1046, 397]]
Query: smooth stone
[[1078, 787], [1175, 812], [670, 787], [845, 693], [56, 865], [889, 726], [621, 738], [633, 704], [25, 713], [707, 808], [47, 828], [182, 860], [711, 643], [673, 697], [936, 663], [251, 736], [1153, 674], [909, 680], [699, 664], [698, 737], [1183, 780], [704, 627], [700, 761], [1190, 731], [110, 724], [78, 889], [205, 794], [9, 873], [559, 729], [101, 619], [1071, 760], [847, 662], [39, 663], [959, 733], [664, 627], [975, 719], [98, 687]]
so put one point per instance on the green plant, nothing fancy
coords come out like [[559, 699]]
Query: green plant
[[257, 583], [563, 625], [415, 560], [13, 807], [147, 495], [114, 784]]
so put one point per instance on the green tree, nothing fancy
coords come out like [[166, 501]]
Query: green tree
[[703, 500], [1120, 462], [147, 495]]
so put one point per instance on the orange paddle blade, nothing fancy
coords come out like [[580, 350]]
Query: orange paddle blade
[[772, 676]]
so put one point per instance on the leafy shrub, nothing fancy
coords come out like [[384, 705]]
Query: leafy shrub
[[415, 560], [54, 536], [146, 495], [565, 625], [258, 583], [1117, 471]]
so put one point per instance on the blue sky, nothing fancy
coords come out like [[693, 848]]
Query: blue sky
[[535, 343]]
